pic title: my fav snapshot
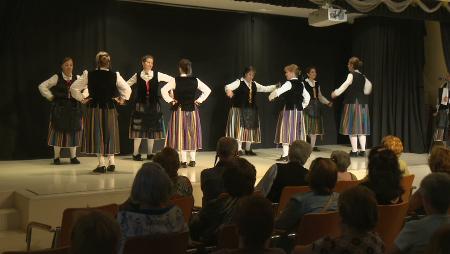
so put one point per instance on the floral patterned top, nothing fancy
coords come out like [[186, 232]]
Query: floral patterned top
[[367, 243]]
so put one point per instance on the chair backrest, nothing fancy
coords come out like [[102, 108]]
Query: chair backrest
[[390, 221], [287, 193], [71, 215], [186, 204], [228, 237], [406, 184], [316, 225], [174, 243], [341, 186], [64, 250]]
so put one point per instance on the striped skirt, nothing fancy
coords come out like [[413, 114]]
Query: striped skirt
[[133, 132], [290, 127], [236, 130], [101, 131], [63, 138], [355, 120], [185, 130], [313, 125]]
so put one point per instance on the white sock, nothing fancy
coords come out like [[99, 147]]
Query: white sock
[[192, 155], [137, 144], [247, 146], [285, 150], [111, 159], [101, 160], [57, 151], [73, 152], [313, 140], [362, 142], [183, 156], [150, 143], [239, 145], [354, 142]]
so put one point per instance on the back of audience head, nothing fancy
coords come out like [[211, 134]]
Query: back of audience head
[[227, 148], [95, 233], [169, 159], [435, 193], [358, 209], [384, 170], [299, 151], [239, 177], [342, 160], [439, 160], [152, 186], [393, 143], [254, 218], [440, 242], [322, 176]]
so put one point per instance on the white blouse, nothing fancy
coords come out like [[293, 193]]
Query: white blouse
[[348, 82], [322, 99], [259, 88], [44, 87], [287, 86], [147, 76], [165, 90]]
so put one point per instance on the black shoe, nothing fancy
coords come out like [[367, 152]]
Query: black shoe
[[99, 170], [150, 157], [285, 158], [241, 153], [74, 160], [250, 153], [353, 154], [111, 168], [316, 149], [191, 164], [183, 165], [56, 161], [137, 157], [362, 153]]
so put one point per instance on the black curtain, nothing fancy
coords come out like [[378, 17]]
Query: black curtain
[[393, 56], [445, 34]]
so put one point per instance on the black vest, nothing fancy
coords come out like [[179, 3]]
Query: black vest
[[312, 90], [141, 88], [442, 106], [184, 92], [102, 87], [241, 97], [289, 174], [294, 97], [355, 91], [61, 90]]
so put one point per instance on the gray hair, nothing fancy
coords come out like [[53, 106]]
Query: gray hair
[[299, 151], [342, 160], [152, 186], [435, 188]]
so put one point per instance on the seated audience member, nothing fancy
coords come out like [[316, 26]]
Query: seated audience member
[[95, 233], [359, 215], [322, 180], [438, 161], [416, 235], [395, 144], [148, 210], [169, 159], [254, 219], [342, 160], [281, 175], [440, 241], [384, 176], [211, 178], [239, 179]]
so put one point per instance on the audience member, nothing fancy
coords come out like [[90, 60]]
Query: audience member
[[342, 160], [395, 144]]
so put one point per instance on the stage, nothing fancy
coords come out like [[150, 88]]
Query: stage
[[36, 190]]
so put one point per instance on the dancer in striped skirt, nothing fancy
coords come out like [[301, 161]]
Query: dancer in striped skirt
[[291, 126], [146, 120], [313, 113], [355, 121], [65, 128], [184, 133], [101, 127], [243, 120]]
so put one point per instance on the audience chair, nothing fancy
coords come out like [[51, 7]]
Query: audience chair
[[341, 186], [186, 204], [406, 184], [286, 195], [174, 243], [64, 250], [313, 226], [390, 221]]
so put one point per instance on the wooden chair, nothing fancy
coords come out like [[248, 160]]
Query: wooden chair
[[228, 237], [174, 243], [64, 250], [186, 204], [390, 221], [286, 195], [313, 226], [61, 235], [341, 186], [406, 184]]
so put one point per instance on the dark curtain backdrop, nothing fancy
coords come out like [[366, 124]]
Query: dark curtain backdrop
[[445, 34], [220, 45]]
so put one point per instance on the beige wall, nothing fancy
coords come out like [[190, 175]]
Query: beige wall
[[434, 61]]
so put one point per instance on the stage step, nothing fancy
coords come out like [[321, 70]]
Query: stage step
[[9, 219], [6, 199]]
